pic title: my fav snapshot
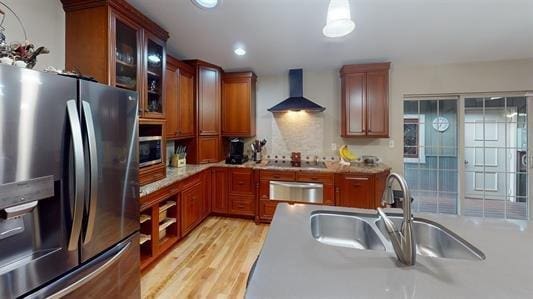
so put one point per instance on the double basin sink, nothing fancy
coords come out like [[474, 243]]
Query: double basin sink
[[368, 232]]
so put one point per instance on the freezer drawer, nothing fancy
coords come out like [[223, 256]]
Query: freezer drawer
[[113, 274]]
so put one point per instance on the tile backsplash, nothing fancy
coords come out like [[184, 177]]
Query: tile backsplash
[[297, 131]]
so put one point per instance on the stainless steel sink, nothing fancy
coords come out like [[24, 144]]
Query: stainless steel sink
[[363, 231], [345, 230], [435, 240]]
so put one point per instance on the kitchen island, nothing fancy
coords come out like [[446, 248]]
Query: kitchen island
[[292, 264]]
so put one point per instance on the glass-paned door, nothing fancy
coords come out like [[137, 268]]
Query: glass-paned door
[[154, 77], [495, 157], [126, 58], [431, 153]]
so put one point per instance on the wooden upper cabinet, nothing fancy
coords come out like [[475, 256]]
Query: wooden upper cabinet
[[186, 105], [208, 101], [179, 99], [208, 149], [365, 100], [238, 104], [171, 100], [353, 107], [154, 76], [377, 95], [111, 41]]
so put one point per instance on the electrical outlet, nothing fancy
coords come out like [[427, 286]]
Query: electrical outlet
[[333, 146], [391, 143]]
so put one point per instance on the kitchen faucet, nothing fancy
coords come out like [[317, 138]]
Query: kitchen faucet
[[402, 238]]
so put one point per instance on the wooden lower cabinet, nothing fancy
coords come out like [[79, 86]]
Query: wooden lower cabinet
[[233, 192], [360, 191], [267, 208], [193, 206], [219, 190], [241, 192]]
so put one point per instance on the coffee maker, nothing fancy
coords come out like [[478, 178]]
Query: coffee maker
[[236, 152]]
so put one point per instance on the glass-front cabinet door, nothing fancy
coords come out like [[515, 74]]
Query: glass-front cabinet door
[[155, 67], [125, 59]]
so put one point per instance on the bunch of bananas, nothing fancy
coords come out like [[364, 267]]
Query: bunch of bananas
[[346, 154]]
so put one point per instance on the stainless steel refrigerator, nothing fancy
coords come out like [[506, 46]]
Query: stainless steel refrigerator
[[69, 216]]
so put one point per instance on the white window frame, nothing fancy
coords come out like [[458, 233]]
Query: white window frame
[[421, 139]]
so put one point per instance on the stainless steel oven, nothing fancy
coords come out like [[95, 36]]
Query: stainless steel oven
[[297, 192], [150, 150]]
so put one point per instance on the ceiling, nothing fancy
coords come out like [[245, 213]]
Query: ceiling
[[283, 34]]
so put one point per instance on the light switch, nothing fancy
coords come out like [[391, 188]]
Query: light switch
[[333, 146], [391, 143]]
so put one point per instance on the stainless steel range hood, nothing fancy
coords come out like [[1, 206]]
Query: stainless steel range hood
[[296, 101]]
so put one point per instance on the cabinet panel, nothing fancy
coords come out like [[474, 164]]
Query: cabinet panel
[[353, 118], [208, 149], [191, 207], [238, 104], [219, 197], [241, 181], [185, 103], [208, 101], [267, 209], [356, 191], [171, 103], [377, 87]]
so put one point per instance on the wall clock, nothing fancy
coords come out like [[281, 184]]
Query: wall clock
[[441, 124]]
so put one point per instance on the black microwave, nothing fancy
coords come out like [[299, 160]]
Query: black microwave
[[150, 150]]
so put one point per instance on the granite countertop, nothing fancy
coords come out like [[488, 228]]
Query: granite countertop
[[293, 264], [178, 174]]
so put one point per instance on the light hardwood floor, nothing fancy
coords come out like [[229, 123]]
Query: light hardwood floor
[[213, 261]]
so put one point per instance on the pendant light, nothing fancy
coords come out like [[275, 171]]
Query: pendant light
[[339, 21]]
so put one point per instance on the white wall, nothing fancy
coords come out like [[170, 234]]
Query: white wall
[[324, 88], [45, 25]]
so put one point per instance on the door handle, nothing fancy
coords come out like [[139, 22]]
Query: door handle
[[79, 174], [91, 204]]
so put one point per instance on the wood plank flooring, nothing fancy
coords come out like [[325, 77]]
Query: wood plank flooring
[[213, 261]]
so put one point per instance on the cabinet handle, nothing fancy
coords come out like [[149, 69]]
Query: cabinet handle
[[240, 183]]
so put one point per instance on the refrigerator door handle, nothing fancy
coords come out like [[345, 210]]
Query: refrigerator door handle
[[74, 282], [93, 162], [79, 174]]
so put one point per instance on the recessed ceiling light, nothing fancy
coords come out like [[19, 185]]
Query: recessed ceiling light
[[206, 3], [339, 21], [240, 51]]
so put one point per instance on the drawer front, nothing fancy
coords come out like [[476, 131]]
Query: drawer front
[[324, 178], [159, 195], [267, 209], [277, 175], [191, 181], [242, 205], [241, 181]]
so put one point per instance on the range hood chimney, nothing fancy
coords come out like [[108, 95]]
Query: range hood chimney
[[296, 101]]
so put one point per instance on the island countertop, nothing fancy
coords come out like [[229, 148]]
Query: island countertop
[[292, 264]]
